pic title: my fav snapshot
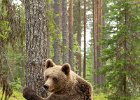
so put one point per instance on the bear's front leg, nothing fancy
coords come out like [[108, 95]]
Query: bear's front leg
[[30, 94]]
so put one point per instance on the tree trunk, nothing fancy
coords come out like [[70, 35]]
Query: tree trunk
[[56, 44], [35, 43], [84, 62], [22, 63], [95, 39], [97, 19], [71, 57], [65, 32], [49, 8], [78, 54], [1, 55]]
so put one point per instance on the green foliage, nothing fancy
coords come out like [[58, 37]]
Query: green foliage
[[89, 65], [4, 26], [120, 53], [16, 85], [15, 96], [17, 61], [121, 47], [12, 37], [100, 96]]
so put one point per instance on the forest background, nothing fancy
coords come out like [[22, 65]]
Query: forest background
[[99, 38]]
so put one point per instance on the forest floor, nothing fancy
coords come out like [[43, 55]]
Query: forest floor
[[18, 96], [15, 96]]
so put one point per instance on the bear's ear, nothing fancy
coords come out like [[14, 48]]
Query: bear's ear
[[66, 68], [49, 63]]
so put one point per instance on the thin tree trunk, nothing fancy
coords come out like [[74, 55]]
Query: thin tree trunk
[[97, 19], [35, 43], [65, 32], [78, 55], [22, 63], [84, 62], [95, 38], [49, 7], [48, 44], [1, 55], [100, 23], [71, 57], [56, 44]]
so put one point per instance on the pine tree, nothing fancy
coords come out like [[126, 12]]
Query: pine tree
[[35, 43], [97, 29], [121, 60], [65, 32], [84, 62], [71, 56], [56, 45]]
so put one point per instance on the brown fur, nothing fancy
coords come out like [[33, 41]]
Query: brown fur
[[63, 84]]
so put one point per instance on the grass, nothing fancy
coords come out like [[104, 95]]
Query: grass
[[15, 96], [18, 96], [100, 96]]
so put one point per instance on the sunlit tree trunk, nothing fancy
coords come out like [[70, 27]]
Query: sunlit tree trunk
[[71, 57], [95, 39], [97, 20], [78, 54], [49, 8], [35, 43], [56, 45], [65, 32], [100, 24]]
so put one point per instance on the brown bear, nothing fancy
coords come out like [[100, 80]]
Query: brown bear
[[62, 83]]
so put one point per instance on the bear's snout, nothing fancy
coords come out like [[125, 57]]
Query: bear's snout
[[46, 87]]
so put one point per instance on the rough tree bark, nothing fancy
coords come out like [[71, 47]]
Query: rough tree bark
[[56, 45], [78, 54], [1, 55], [49, 7], [84, 62], [65, 32], [97, 20], [35, 43], [71, 57]]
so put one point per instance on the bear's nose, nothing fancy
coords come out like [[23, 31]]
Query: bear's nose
[[46, 87]]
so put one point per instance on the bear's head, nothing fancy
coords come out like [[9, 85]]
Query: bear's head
[[56, 76]]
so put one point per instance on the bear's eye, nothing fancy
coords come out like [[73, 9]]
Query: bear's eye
[[55, 79], [46, 77]]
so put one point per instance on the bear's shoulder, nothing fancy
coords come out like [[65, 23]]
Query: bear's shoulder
[[84, 88]]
